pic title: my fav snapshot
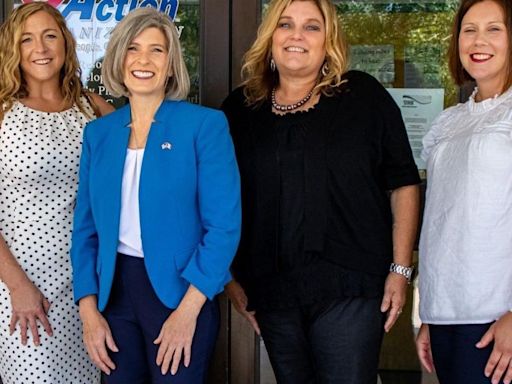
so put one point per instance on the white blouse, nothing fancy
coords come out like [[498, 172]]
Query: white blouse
[[130, 242], [466, 238]]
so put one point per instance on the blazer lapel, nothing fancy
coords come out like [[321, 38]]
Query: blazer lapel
[[155, 176], [115, 155]]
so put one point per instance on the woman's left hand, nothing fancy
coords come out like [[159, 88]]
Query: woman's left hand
[[175, 340], [500, 362], [394, 298], [177, 332]]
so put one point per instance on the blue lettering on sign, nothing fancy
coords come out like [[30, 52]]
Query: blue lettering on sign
[[103, 14], [106, 9]]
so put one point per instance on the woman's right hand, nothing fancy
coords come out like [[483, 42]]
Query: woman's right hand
[[28, 307], [423, 348], [97, 335], [239, 299]]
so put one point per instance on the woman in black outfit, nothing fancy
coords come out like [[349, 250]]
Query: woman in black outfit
[[329, 200]]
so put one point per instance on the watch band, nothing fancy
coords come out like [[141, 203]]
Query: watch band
[[402, 270]]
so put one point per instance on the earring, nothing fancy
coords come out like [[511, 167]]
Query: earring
[[325, 69], [272, 65]]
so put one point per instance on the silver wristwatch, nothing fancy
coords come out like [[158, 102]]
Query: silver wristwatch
[[401, 270]]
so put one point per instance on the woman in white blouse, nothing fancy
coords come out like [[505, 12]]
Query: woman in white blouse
[[466, 239]]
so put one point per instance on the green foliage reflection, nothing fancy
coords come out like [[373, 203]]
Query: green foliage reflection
[[189, 18]]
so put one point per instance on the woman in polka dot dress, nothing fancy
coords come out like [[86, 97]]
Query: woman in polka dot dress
[[43, 111]]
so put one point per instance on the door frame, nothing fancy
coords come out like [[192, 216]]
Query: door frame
[[226, 34]]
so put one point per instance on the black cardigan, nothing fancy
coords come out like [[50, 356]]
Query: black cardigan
[[356, 152]]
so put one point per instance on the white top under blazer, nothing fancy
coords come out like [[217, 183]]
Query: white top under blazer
[[130, 242]]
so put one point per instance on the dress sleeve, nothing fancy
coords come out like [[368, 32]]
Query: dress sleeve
[[434, 133], [399, 168]]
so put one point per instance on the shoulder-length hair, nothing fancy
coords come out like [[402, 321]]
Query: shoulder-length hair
[[12, 84], [258, 78], [459, 74], [177, 88]]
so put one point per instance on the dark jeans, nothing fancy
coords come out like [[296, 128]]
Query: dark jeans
[[336, 341], [456, 358], [135, 316]]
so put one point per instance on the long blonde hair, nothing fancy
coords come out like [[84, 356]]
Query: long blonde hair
[[12, 84], [258, 78]]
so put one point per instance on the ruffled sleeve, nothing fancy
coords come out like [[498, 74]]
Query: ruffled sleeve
[[439, 126]]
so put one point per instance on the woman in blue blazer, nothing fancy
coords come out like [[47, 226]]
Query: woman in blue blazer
[[157, 219]]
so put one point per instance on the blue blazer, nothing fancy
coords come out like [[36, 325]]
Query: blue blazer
[[189, 202]]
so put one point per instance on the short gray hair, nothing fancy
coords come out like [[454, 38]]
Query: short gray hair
[[131, 26]]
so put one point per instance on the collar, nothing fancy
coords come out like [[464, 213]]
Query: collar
[[487, 104]]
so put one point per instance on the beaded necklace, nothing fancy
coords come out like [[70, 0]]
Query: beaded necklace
[[289, 107]]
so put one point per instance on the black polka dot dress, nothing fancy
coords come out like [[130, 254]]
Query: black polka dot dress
[[39, 159]]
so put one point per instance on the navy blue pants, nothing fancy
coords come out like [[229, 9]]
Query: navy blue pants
[[135, 316], [456, 359], [331, 342]]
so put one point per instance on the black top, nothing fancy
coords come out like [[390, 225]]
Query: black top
[[290, 158], [315, 194]]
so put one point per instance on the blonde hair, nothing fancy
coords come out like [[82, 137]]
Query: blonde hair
[[177, 88], [12, 84], [258, 78]]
